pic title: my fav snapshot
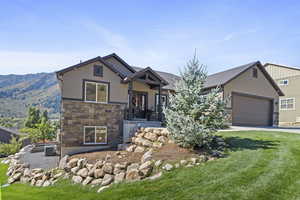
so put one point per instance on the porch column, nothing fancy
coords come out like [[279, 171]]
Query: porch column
[[159, 104], [130, 114]]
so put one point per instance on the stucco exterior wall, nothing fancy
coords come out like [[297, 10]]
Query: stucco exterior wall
[[292, 90], [72, 86], [280, 72], [247, 84]]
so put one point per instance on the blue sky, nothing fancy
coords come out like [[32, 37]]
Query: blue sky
[[44, 36]]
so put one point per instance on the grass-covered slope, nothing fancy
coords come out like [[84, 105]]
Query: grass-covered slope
[[260, 165], [18, 92]]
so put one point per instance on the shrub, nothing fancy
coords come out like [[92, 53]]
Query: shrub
[[13, 147], [193, 115]]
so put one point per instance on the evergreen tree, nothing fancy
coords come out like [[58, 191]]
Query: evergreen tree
[[45, 117], [193, 114], [33, 117]]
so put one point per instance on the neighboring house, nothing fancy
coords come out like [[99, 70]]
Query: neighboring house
[[104, 99], [7, 134], [251, 93], [288, 79]]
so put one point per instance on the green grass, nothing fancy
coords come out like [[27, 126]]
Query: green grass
[[259, 165]]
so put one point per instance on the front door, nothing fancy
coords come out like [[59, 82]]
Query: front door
[[139, 104]]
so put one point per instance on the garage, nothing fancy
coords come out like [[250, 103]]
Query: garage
[[249, 110]]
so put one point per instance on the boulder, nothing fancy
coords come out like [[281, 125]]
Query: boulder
[[89, 166], [157, 144], [158, 163], [107, 157], [103, 188], [37, 170], [121, 166], [156, 176], [147, 143], [194, 160], [131, 148], [133, 166], [56, 176], [99, 173], [162, 139], [202, 158], [108, 168], [107, 179], [151, 136], [183, 162], [27, 172], [87, 180], [118, 170], [97, 181], [46, 183], [33, 181], [83, 172], [168, 167], [39, 183], [38, 176], [72, 163], [147, 156], [133, 175], [74, 170], [146, 165], [24, 179], [119, 177], [63, 162], [77, 179], [81, 163], [164, 132], [139, 149], [177, 165], [99, 164]]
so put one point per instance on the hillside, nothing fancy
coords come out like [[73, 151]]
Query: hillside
[[18, 92]]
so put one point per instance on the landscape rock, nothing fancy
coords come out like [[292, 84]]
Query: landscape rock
[[194, 160], [77, 179], [81, 163], [131, 148], [74, 170], [158, 163], [157, 144], [103, 188], [72, 163], [63, 162], [151, 136], [87, 180], [97, 181], [108, 168], [133, 175], [139, 149], [46, 183], [39, 183], [147, 156], [156, 176], [168, 167], [162, 139], [99, 173], [83, 172], [183, 162], [133, 166], [119, 177], [107, 179]]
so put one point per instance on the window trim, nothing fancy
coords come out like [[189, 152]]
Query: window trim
[[294, 103], [93, 143], [282, 84], [95, 69], [96, 83]]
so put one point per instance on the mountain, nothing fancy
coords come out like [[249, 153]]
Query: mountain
[[18, 92]]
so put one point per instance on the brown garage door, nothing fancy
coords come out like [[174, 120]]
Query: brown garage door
[[251, 111]]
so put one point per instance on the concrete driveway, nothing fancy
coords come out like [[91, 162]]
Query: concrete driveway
[[265, 128]]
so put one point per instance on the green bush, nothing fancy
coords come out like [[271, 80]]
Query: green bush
[[13, 147]]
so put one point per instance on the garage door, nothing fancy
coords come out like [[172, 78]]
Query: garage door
[[251, 111]]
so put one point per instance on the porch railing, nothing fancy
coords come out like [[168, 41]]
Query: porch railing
[[149, 115]]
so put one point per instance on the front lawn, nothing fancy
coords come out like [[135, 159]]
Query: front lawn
[[259, 165]]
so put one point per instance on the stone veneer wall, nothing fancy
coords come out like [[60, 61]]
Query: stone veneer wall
[[77, 114]]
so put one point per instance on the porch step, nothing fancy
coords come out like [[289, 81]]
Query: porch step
[[130, 127]]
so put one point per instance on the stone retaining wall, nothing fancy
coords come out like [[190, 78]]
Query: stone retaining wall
[[76, 114]]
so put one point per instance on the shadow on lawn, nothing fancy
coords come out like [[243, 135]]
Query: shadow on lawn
[[237, 143]]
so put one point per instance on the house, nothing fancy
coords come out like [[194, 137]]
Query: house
[[105, 98], [6, 134], [288, 79], [251, 94]]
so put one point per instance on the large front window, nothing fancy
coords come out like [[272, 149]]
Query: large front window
[[96, 92], [95, 135], [287, 104]]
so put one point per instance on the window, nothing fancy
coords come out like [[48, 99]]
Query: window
[[95, 135], [163, 101], [96, 92], [284, 82], [254, 72], [98, 70], [287, 104]]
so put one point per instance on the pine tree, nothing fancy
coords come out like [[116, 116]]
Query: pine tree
[[194, 114]]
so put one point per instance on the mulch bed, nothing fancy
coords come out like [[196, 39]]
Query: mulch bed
[[170, 152]]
